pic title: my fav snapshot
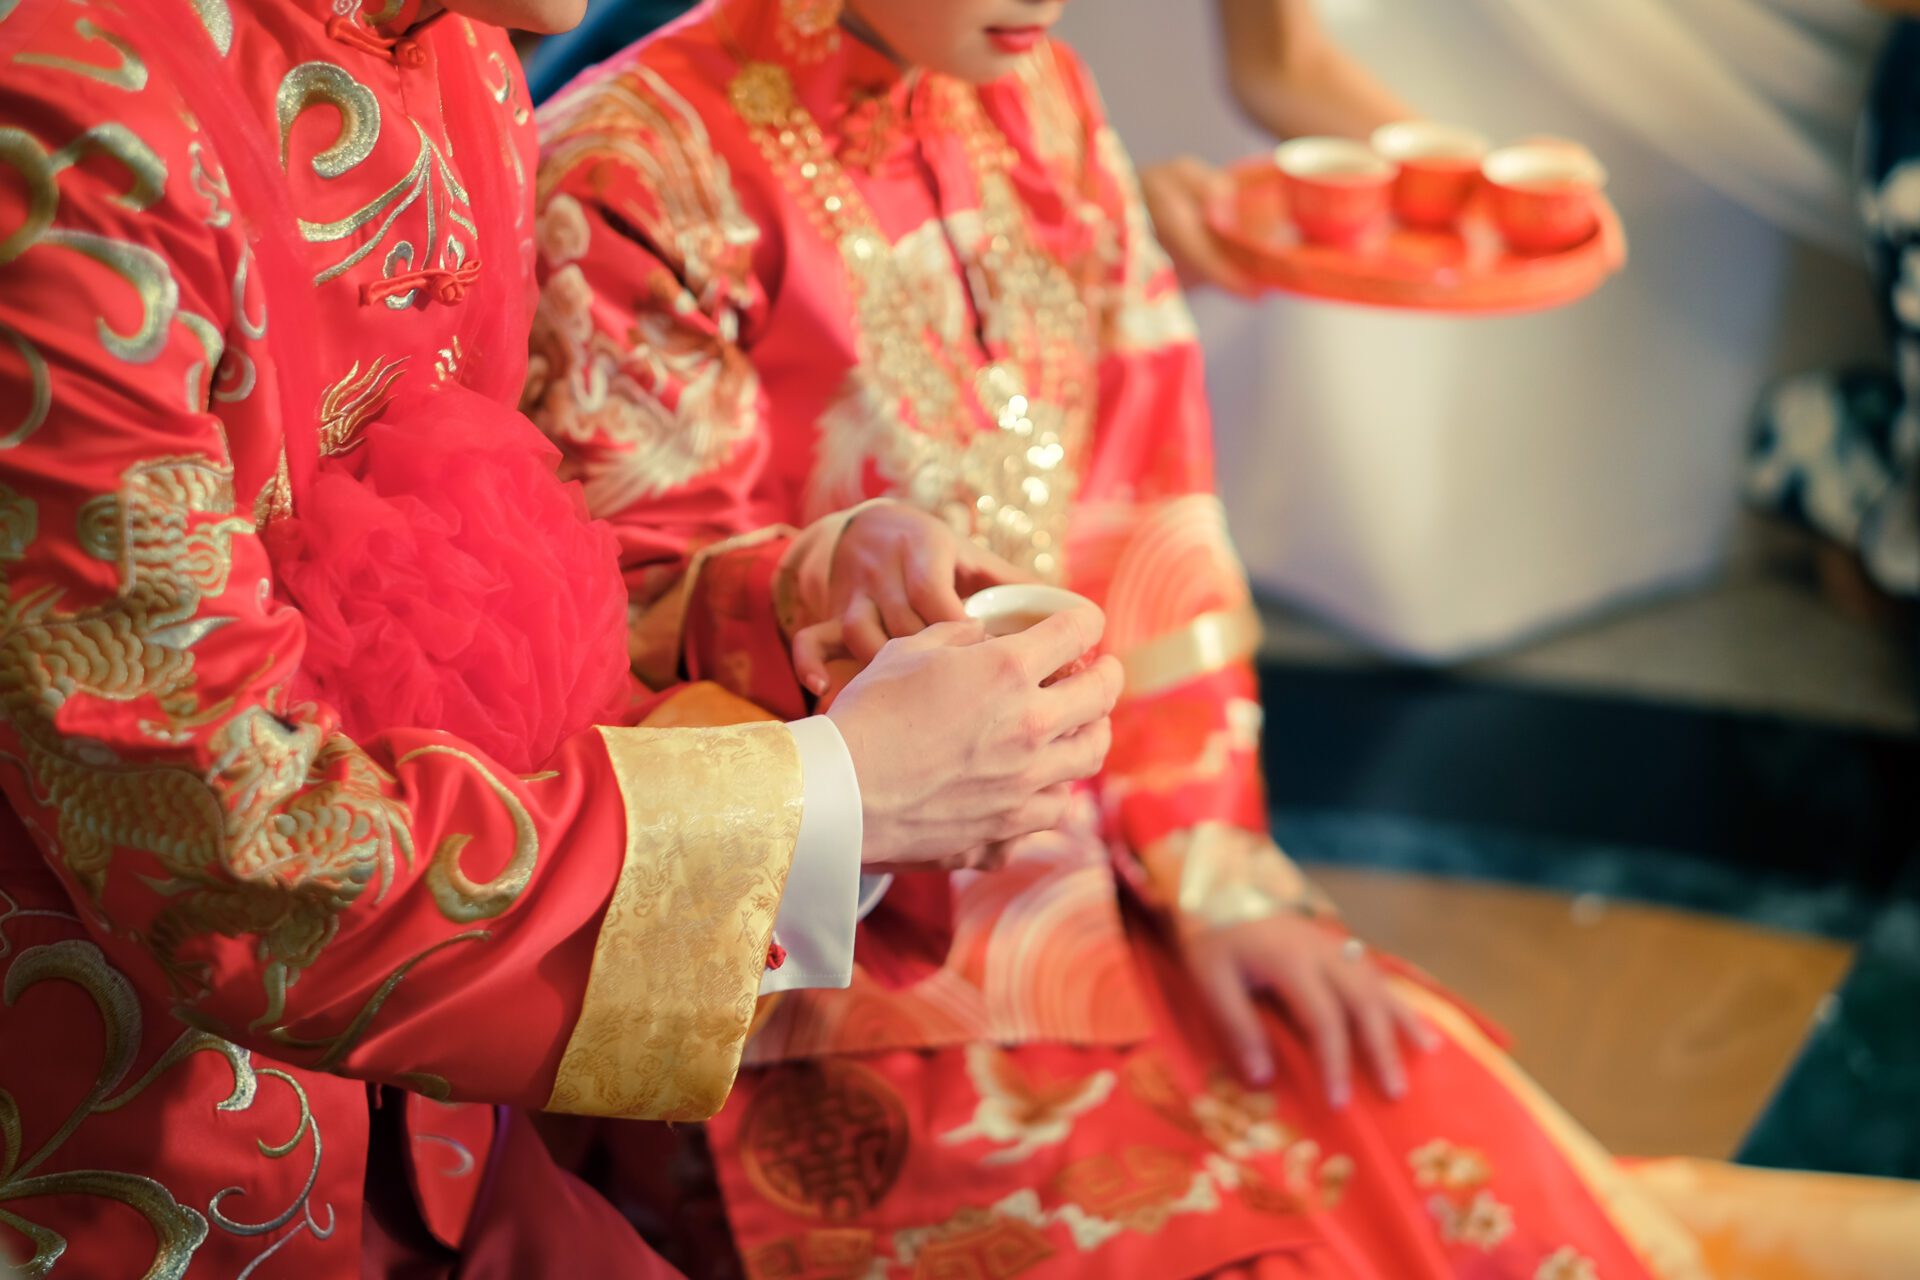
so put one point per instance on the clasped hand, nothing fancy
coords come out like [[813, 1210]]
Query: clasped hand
[[958, 745]]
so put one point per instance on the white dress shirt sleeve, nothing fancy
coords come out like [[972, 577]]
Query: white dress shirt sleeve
[[825, 889]]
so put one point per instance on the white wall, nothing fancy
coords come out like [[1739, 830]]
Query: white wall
[[1444, 486]]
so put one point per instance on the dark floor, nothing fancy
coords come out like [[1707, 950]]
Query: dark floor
[[1777, 822]]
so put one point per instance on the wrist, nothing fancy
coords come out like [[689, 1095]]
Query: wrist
[[1213, 876]]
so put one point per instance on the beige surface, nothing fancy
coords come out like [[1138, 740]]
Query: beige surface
[[1662, 1031]]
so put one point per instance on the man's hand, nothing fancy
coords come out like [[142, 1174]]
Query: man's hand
[[1177, 194], [1328, 986], [895, 571], [957, 747]]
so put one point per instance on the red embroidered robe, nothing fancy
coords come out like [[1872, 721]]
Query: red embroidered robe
[[781, 277], [218, 912]]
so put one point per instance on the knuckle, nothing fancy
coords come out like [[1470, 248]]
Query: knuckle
[[1010, 667], [1099, 742]]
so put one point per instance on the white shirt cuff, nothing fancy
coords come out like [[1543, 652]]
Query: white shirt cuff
[[825, 889]]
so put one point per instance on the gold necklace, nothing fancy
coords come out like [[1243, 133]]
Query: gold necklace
[[1009, 488]]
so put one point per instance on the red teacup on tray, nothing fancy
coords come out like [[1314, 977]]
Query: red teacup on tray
[[1545, 194], [1439, 169], [1467, 267], [1338, 188]]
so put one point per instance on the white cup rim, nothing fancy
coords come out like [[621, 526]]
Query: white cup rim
[[1567, 166], [1307, 158], [1021, 597], [1405, 140]]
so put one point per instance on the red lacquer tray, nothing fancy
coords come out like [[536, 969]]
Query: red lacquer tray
[[1466, 269]]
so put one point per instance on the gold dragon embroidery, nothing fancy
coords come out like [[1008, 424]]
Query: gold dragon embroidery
[[286, 829]]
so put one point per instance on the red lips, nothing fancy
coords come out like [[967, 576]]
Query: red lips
[[1016, 39]]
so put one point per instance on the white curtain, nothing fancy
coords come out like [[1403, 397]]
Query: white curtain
[[1760, 98]]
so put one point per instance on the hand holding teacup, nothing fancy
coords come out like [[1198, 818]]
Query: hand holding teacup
[[1016, 607], [893, 571], [963, 742], [967, 733]]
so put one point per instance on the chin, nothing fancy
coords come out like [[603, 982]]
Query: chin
[[984, 65]]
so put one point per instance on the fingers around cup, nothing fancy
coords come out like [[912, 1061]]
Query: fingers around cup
[[1052, 628]]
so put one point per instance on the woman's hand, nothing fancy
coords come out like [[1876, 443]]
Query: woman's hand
[[1177, 194], [895, 571], [1328, 985]]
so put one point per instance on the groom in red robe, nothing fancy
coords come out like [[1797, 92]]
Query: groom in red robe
[[263, 947]]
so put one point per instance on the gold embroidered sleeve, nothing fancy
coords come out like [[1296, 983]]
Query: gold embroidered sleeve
[[712, 817]]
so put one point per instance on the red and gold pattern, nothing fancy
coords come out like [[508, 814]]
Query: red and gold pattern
[[1045, 399], [198, 870], [1052, 1160], [1003, 345]]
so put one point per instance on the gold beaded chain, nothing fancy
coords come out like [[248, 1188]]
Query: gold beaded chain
[[1010, 489]]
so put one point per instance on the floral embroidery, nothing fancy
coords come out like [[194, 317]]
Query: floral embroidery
[[1016, 1109], [1567, 1264], [1466, 1212], [1441, 1164], [562, 232], [1243, 1125], [1483, 1223], [659, 404], [974, 1240], [1239, 1121]]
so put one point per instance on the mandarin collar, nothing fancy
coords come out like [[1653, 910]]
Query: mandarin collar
[[873, 112]]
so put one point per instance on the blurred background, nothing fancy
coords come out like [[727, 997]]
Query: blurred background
[[1579, 693]]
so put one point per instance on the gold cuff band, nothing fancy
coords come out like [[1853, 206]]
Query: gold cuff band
[[711, 820], [1207, 644]]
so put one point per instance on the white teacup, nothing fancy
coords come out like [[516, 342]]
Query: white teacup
[[1015, 606]]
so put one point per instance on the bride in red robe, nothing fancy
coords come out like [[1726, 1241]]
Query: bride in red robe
[[845, 314]]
